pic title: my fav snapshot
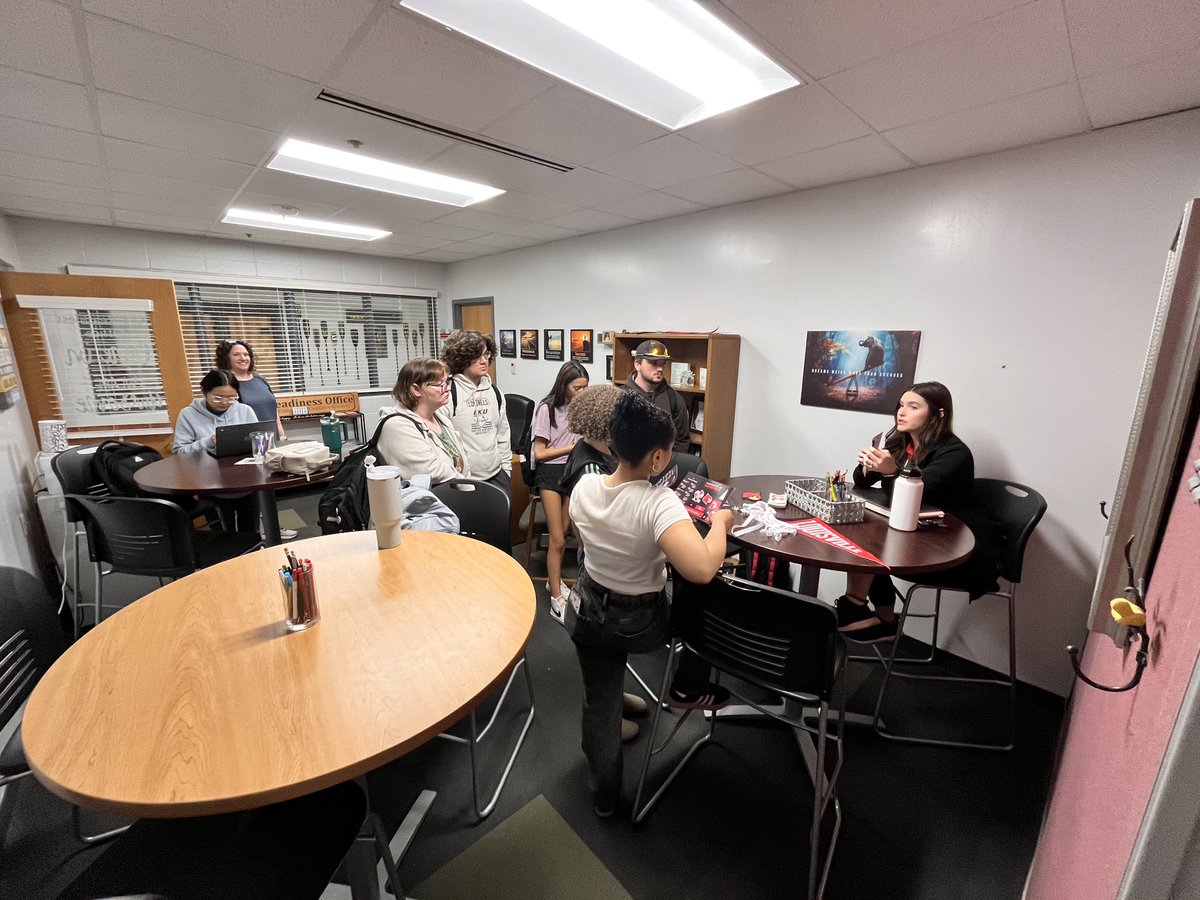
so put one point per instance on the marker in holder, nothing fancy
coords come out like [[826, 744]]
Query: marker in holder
[[299, 593]]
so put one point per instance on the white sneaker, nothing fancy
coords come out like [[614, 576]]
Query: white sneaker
[[288, 534], [558, 609]]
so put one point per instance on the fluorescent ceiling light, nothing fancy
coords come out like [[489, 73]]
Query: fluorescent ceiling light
[[253, 217], [669, 60], [316, 161]]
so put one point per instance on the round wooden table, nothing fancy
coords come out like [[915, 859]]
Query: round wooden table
[[206, 475], [196, 700], [928, 549]]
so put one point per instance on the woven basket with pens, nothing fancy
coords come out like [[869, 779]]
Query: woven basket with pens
[[810, 494]]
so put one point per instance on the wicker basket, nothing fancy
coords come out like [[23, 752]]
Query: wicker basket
[[809, 495]]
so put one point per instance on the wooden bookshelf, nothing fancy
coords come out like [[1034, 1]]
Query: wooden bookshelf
[[719, 354]]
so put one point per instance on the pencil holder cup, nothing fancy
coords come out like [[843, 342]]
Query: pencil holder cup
[[303, 611]]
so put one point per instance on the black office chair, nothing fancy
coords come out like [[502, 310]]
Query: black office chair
[[76, 474], [681, 465], [30, 642], [1017, 509], [774, 640], [482, 511], [140, 536], [533, 519], [286, 851], [519, 409]]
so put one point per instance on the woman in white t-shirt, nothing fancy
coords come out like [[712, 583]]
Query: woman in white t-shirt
[[631, 529]]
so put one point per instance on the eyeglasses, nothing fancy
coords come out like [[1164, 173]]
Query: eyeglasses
[[440, 385], [221, 398], [484, 355]]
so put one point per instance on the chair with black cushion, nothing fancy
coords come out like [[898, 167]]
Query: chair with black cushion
[[681, 465], [141, 536], [285, 851], [76, 473], [482, 511], [30, 641], [519, 409], [520, 420], [1016, 509], [772, 640]]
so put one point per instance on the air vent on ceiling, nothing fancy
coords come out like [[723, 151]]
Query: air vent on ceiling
[[484, 143]]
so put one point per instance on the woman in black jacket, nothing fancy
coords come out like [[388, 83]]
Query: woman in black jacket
[[924, 437]]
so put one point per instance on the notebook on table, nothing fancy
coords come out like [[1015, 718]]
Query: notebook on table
[[878, 502], [234, 440]]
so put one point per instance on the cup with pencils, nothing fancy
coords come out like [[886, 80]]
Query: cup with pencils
[[299, 593]]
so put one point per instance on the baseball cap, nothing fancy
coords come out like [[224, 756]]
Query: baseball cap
[[651, 350]]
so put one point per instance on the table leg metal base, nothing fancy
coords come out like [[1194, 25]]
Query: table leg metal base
[[371, 863]]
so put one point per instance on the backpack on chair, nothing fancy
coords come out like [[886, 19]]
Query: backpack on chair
[[116, 462]]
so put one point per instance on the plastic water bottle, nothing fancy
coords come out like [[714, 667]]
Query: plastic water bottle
[[906, 499]]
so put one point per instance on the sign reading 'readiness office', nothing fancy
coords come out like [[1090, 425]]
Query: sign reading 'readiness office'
[[319, 404]]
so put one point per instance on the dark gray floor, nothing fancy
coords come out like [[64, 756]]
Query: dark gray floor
[[919, 822]]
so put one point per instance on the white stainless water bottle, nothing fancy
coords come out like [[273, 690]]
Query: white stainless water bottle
[[906, 499]]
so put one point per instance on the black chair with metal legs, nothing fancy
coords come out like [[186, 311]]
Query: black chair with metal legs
[[482, 511], [1017, 509], [30, 642], [777, 641], [76, 474], [140, 536]]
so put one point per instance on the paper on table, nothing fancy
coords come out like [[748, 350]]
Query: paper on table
[[248, 461]]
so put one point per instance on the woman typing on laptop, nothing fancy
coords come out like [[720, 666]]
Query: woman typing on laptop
[[924, 437]]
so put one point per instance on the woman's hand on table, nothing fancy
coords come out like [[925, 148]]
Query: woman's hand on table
[[872, 459]]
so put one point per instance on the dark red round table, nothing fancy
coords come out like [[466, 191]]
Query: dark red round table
[[205, 475], [903, 553]]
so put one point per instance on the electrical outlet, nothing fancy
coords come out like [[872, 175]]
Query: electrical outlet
[[512, 368]]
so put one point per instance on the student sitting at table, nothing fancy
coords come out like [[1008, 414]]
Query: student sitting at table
[[923, 436], [196, 432], [619, 606], [419, 439]]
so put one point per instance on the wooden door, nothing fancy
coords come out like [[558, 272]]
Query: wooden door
[[477, 315]]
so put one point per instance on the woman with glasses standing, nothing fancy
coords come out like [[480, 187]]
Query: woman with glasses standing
[[419, 439], [254, 390], [477, 408]]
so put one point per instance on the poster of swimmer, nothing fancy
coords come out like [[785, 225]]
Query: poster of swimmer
[[865, 371]]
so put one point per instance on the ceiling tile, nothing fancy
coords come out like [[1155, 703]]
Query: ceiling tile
[[1010, 55], [332, 125], [822, 37], [492, 168], [588, 220], [860, 158], [792, 121], [736, 186], [506, 241], [52, 190], [195, 208], [474, 248], [1129, 33], [165, 162], [38, 36], [450, 232], [583, 187], [420, 241], [264, 202], [409, 64], [1041, 116], [299, 37], [443, 256], [169, 189], [135, 63], [572, 126], [668, 160], [49, 141], [524, 206], [1149, 89], [141, 219], [303, 190], [24, 95], [649, 206], [544, 232], [482, 221], [20, 165], [64, 210], [150, 123], [393, 208]]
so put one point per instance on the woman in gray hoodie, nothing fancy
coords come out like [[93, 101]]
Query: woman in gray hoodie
[[196, 427]]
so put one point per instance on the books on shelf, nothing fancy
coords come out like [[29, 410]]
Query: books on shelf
[[877, 502]]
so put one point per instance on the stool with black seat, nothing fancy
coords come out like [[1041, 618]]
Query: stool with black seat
[[141, 536], [30, 642], [777, 641], [482, 511], [286, 851], [1017, 509]]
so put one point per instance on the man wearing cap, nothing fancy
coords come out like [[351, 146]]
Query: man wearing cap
[[649, 360]]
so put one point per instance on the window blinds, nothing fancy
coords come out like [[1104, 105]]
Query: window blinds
[[305, 341]]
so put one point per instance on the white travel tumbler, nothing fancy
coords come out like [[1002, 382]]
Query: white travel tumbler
[[906, 499], [387, 504]]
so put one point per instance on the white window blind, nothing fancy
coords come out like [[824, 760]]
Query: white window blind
[[102, 359], [305, 341]]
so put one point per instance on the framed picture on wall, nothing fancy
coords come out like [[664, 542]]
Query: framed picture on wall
[[608, 367], [508, 342], [581, 345], [554, 344], [864, 371], [529, 343]]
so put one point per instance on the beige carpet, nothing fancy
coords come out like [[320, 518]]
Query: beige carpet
[[533, 855]]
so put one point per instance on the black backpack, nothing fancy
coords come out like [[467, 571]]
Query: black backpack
[[116, 461], [344, 505]]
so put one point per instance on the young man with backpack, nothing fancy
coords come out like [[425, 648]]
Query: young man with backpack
[[476, 408], [649, 360]]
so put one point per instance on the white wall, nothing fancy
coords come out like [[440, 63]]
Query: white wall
[[8, 244], [1033, 275]]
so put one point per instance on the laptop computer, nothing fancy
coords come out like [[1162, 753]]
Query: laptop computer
[[234, 440]]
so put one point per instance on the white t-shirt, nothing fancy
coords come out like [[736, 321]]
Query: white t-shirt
[[620, 527]]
